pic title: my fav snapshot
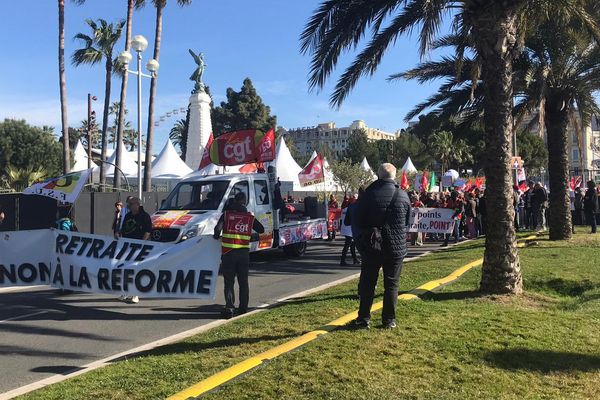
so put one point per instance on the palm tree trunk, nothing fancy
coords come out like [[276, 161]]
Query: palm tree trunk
[[123, 99], [107, 84], [559, 214], [496, 43], [153, 83], [63, 87]]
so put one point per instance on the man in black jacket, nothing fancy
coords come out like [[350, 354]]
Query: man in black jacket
[[384, 205]]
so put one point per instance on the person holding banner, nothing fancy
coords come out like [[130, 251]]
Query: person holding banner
[[235, 231]]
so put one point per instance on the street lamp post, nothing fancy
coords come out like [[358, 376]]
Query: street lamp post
[[89, 129], [139, 44]]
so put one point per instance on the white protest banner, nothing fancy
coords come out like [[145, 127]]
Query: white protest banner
[[101, 264], [346, 230], [64, 188], [431, 220]]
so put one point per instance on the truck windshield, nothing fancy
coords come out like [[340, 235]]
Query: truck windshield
[[196, 196]]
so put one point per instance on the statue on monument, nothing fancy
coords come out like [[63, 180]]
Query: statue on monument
[[199, 72]]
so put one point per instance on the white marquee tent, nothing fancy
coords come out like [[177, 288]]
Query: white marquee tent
[[168, 164], [287, 168], [80, 158], [409, 167], [365, 165], [128, 164]]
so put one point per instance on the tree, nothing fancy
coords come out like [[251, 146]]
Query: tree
[[359, 147], [63, 87], [131, 4], [532, 150], [348, 176], [556, 77], [496, 27], [159, 5], [179, 134], [427, 125], [448, 150], [113, 111], [24, 147], [407, 145], [100, 45], [19, 179], [562, 62], [242, 110], [83, 136]]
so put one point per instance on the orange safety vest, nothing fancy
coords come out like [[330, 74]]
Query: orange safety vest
[[237, 231]]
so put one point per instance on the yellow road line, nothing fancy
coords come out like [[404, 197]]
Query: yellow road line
[[242, 367]]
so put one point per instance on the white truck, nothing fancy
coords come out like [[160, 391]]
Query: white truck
[[196, 204]]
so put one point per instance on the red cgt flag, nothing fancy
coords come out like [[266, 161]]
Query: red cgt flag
[[206, 153], [404, 181], [266, 147]]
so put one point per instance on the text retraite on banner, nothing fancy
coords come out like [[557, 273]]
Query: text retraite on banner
[[101, 264]]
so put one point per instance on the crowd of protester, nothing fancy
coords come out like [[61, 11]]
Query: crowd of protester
[[530, 202]]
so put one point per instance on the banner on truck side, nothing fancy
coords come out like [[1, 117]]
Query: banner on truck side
[[101, 264], [431, 220]]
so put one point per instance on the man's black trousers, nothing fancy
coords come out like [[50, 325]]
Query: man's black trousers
[[368, 280], [236, 263]]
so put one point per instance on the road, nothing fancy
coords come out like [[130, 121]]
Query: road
[[44, 332]]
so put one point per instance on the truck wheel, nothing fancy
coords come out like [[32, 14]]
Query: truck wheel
[[295, 250]]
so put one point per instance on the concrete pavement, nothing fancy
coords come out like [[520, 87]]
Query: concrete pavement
[[44, 332]]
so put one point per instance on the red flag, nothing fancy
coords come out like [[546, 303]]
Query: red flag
[[266, 147], [249, 168], [572, 183], [523, 187], [424, 182], [206, 153], [479, 182], [579, 181], [313, 172], [404, 181]]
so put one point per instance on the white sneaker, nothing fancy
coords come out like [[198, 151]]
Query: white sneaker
[[133, 299]]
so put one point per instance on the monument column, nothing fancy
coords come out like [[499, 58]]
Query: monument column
[[200, 126], [199, 129]]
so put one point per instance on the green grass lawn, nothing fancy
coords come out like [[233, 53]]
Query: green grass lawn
[[455, 344]]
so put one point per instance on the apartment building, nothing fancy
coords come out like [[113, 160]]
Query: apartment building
[[308, 139], [584, 157]]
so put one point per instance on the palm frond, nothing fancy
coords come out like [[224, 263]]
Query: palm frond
[[88, 55]]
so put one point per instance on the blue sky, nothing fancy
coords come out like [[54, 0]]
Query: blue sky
[[240, 38]]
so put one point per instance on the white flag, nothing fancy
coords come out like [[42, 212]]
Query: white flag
[[64, 188]]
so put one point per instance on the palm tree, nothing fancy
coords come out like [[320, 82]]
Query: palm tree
[[178, 135], [556, 77], [447, 150], [563, 67], [159, 5], [96, 47], [63, 87], [131, 4], [497, 28]]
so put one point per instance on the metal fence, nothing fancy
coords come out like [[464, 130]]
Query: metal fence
[[93, 212]]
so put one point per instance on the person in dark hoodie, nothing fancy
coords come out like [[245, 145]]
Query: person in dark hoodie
[[590, 205], [385, 207]]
